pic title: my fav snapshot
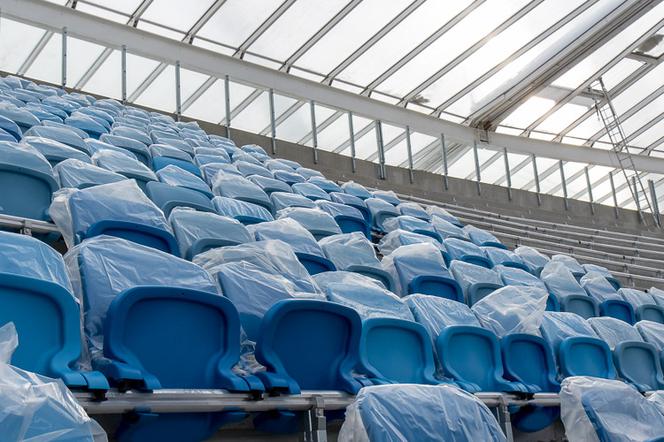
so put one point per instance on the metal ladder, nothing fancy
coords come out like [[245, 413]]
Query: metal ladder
[[607, 114]]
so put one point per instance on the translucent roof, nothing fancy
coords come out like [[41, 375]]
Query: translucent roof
[[520, 67]]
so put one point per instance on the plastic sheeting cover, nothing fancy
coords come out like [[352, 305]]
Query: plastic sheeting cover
[[423, 413], [398, 238], [289, 231], [560, 281], [176, 176], [636, 297], [480, 236], [514, 276], [356, 189], [314, 220], [512, 309], [531, 257], [614, 331], [75, 173], [557, 326], [652, 332], [467, 274], [234, 208], [24, 155], [347, 249], [620, 412], [408, 262], [571, 263], [122, 164], [598, 287], [439, 212], [362, 294], [448, 230], [407, 223], [34, 408], [436, 313], [387, 196]]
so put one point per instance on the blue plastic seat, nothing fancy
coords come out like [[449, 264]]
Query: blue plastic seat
[[218, 156], [124, 165], [23, 118], [636, 361], [168, 151], [28, 181], [301, 241], [353, 201], [168, 197], [176, 176], [36, 295], [424, 413], [411, 224], [353, 252], [446, 229], [55, 151], [414, 210], [578, 349], [269, 185], [64, 135], [610, 302], [309, 173], [572, 297], [514, 276], [86, 123], [244, 212], [387, 196], [159, 162], [571, 263], [597, 269], [197, 232], [278, 164], [211, 170], [476, 282], [380, 211], [117, 209], [11, 128], [79, 175], [355, 189], [645, 306], [532, 258], [397, 238], [240, 188], [95, 146], [420, 268], [247, 169], [327, 185], [311, 191], [319, 223], [289, 177], [507, 258], [133, 133], [467, 353], [281, 200], [482, 237], [439, 212], [653, 333], [466, 251], [348, 218]]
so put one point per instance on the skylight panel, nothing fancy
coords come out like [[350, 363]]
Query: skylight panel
[[16, 42]]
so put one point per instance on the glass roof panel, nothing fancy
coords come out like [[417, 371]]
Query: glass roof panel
[[561, 118], [107, 81], [527, 112], [172, 14], [522, 176], [297, 125], [211, 105], [161, 92], [643, 116], [619, 72], [138, 68], [653, 47], [334, 134], [80, 55], [254, 117], [16, 42], [47, 65], [649, 136], [190, 81]]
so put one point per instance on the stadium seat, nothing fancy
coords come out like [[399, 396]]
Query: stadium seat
[[446, 229], [281, 200], [79, 175], [439, 212], [11, 128], [597, 269], [532, 258], [311, 191], [168, 197], [411, 224], [36, 295], [175, 176], [118, 209], [507, 258], [132, 133], [353, 201], [289, 177], [246, 213], [610, 302], [211, 170], [323, 183], [347, 217], [269, 185], [303, 243], [482, 237], [420, 268], [636, 361], [247, 169], [278, 164], [466, 251], [240, 188], [55, 151], [219, 156], [475, 281], [571, 296], [513, 276], [397, 238], [414, 210], [29, 176], [309, 173], [353, 252], [380, 211], [355, 189], [21, 117], [645, 306], [571, 263], [134, 146], [388, 196], [319, 223], [124, 165], [89, 125], [577, 348]]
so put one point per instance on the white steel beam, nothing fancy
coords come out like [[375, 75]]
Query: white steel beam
[[115, 35]]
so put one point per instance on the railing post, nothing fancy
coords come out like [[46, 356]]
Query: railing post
[[478, 174], [178, 92], [508, 174], [655, 203], [273, 123], [314, 130], [590, 190], [381, 150], [410, 154], [351, 131], [227, 99], [123, 62], [563, 183], [64, 57], [637, 199], [443, 147], [533, 159], [613, 192]]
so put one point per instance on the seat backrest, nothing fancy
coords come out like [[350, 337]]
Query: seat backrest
[[411, 224], [529, 359], [175, 176], [558, 326], [313, 344], [571, 263], [466, 251], [436, 313], [269, 185], [482, 237], [325, 184], [412, 413], [599, 288], [388, 196], [356, 189], [652, 332], [498, 255], [168, 197], [471, 276], [246, 213], [79, 175], [614, 331], [319, 223], [349, 249], [311, 191], [514, 276], [397, 238], [532, 258], [380, 211], [448, 230], [413, 209], [289, 231], [240, 188]]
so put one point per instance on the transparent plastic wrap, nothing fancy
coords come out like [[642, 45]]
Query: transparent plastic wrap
[[176, 176], [211, 170], [362, 294], [557, 326], [532, 257], [594, 268], [102, 267], [315, 221], [408, 262], [311, 191], [498, 256], [387, 196], [439, 212], [122, 164], [614, 331], [289, 231], [459, 249], [408, 223], [339, 209], [467, 274], [409, 412], [164, 150], [398, 238], [272, 257], [78, 174], [282, 200], [74, 211], [591, 406], [24, 155], [232, 186], [514, 276], [54, 150], [347, 249], [657, 294], [34, 408], [324, 183], [652, 332], [448, 230], [236, 209], [636, 297], [356, 189], [436, 313], [512, 309], [23, 255], [309, 173], [413, 209], [571, 263], [560, 281], [598, 287], [480, 237]]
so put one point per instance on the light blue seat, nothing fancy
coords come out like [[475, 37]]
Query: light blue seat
[[423, 413], [571, 263], [353, 252], [176, 176], [168, 151], [636, 361], [311, 191], [348, 218], [168, 197], [645, 306], [247, 169], [133, 133], [64, 135], [467, 353], [202, 159], [420, 268], [597, 269], [211, 170], [124, 165], [446, 229], [439, 212], [501, 256], [571, 296], [282, 200], [278, 164], [197, 232], [388, 196], [11, 128], [240, 188], [608, 410], [6, 136], [253, 148], [144, 309], [55, 151], [411, 224], [96, 146], [319, 223], [578, 349], [610, 302], [288, 177], [301, 241], [23, 118], [118, 209], [476, 281], [532, 258], [36, 295], [466, 251], [353, 201], [269, 185], [79, 175], [159, 162], [89, 125], [397, 238], [134, 146], [414, 210], [27, 180], [356, 189], [653, 333], [482, 237], [309, 173], [244, 212], [327, 185], [380, 211]]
